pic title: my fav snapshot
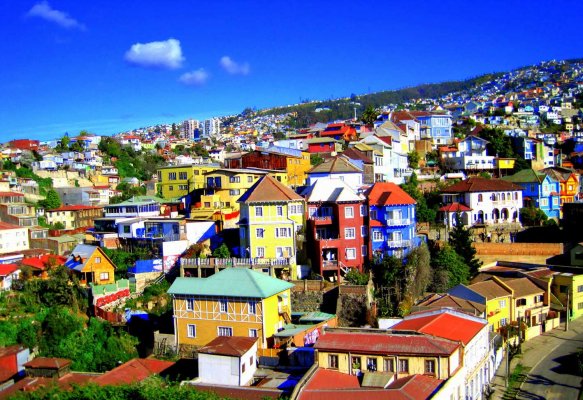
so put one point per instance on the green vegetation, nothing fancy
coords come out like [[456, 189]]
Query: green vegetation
[[52, 200], [129, 163], [44, 184], [50, 315], [370, 115], [354, 277], [124, 259], [156, 293], [461, 241], [427, 203], [316, 159], [413, 159], [515, 379], [222, 251], [531, 216], [152, 388], [449, 269]]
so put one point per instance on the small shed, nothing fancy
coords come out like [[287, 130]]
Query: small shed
[[228, 360]]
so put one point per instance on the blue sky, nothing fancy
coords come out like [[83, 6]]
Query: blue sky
[[110, 66]]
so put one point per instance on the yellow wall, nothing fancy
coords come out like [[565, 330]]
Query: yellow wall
[[562, 284], [506, 164], [177, 187], [99, 263], [416, 363], [67, 218], [495, 312], [297, 169], [273, 319]]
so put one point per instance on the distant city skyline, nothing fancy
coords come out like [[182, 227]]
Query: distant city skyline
[[113, 66]]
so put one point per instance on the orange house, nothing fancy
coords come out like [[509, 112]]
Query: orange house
[[569, 182]]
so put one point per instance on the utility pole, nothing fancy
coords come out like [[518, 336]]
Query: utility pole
[[567, 319], [507, 360]]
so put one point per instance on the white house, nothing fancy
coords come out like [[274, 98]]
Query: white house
[[383, 170], [13, 238], [482, 201], [471, 155], [228, 360], [337, 168]]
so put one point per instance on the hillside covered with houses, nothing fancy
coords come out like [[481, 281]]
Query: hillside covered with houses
[[318, 249]]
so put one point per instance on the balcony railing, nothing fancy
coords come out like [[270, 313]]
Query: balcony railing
[[398, 221], [398, 243], [321, 220]]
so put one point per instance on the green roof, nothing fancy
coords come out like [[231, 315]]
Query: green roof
[[526, 176], [232, 282]]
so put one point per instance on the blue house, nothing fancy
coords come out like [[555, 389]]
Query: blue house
[[539, 191], [392, 220], [435, 126]]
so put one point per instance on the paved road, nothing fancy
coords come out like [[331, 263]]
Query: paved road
[[555, 372]]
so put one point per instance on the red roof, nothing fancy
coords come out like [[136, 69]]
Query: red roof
[[6, 194], [42, 261], [455, 207], [6, 225], [74, 207], [443, 323], [132, 371], [234, 346], [48, 363], [333, 385], [388, 194], [7, 269], [383, 343], [482, 185]]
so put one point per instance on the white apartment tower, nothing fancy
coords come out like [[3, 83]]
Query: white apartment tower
[[189, 126]]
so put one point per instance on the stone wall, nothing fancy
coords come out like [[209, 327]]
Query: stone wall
[[527, 249]]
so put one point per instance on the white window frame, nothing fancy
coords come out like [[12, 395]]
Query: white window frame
[[260, 251], [225, 329], [279, 211], [349, 233], [253, 332], [189, 304], [377, 236], [191, 330], [259, 211], [224, 305], [104, 276], [260, 233], [350, 250], [349, 212], [363, 231], [252, 307]]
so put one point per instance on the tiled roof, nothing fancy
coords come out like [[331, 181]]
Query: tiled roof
[[448, 300], [6, 225], [48, 363], [268, 189], [135, 370], [443, 323], [336, 165], [523, 287], [74, 207], [331, 190], [489, 289], [388, 194], [355, 154], [7, 269], [526, 176], [11, 194], [234, 346], [232, 282], [481, 185], [383, 343], [455, 207]]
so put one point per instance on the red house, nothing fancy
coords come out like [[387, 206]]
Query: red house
[[340, 132], [24, 144], [323, 145], [336, 231]]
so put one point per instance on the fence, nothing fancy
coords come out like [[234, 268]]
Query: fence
[[489, 248]]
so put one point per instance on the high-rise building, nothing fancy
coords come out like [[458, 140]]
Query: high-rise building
[[211, 127], [189, 127]]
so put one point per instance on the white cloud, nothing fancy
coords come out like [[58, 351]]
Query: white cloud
[[45, 11], [233, 67], [165, 54], [194, 78]]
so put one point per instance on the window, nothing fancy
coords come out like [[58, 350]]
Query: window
[[97, 260], [364, 250], [283, 232], [243, 368], [373, 214], [182, 187], [363, 210], [404, 366], [544, 202], [259, 211], [296, 209], [363, 231], [104, 276], [224, 304], [182, 175], [252, 307], [249, 179], [260, 252], [371, 364], [235, 179], [191, 330], [349, 212], [563, 289], [279, 211], [351, 253], [579, 306], [580, 288], [189, 304], [503, 321], [225, 331], [430, 367], [234, 192], [172, 176], [349, 233], [356, 363], [377, 236], [520, 302], [539, 299], [252, 333], [259, 232], [171, 188], [333, 361], [388, 365], [480, 198], [502, 303]]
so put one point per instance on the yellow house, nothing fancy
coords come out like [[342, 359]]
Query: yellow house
[[297, 169], [179, 180], [91, 264], [529, 302], [271, 216], [232, 302], [568, 181], [400, 354], [568, 288], [498, 301], [227, 185]]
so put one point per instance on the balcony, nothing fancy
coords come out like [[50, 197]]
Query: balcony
[[396, 244], [398, 221], [327, 220], [329, 265]]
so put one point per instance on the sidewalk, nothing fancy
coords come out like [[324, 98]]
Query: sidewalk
[[533, 352]]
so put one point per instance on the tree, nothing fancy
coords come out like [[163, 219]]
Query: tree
[[369, 115], [417, 266], [222, 251], [413, 159], [461, 241], [355, 277], [52, 200], [449, 269], [316, 159], [531, 216]]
